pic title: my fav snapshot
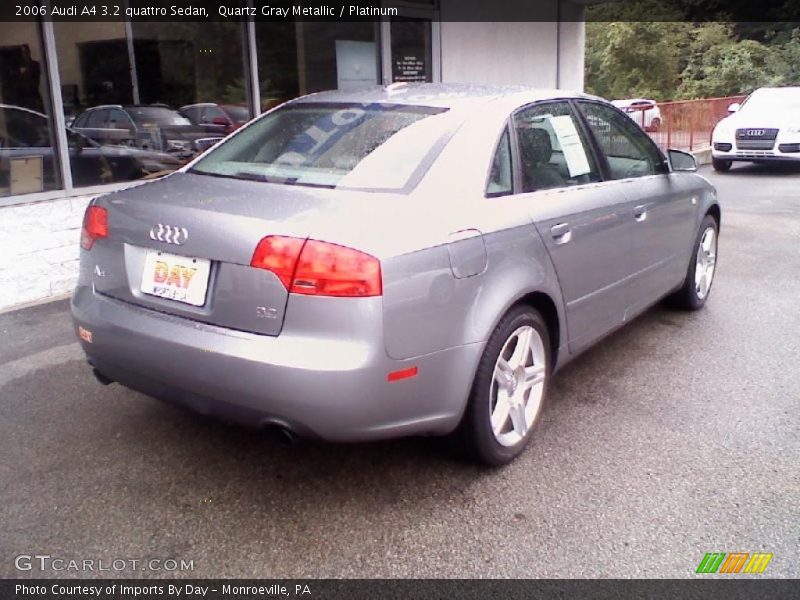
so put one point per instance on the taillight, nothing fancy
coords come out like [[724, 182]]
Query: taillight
[[315, 268], [279, 255], [95, 226]]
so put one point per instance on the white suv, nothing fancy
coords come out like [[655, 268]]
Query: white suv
[[765, 127]]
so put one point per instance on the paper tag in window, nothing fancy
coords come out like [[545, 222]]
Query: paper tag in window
[[571, 145]]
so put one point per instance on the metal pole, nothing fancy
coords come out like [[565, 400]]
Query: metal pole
[[668, 114], [251, 64], [56, 103], [301, 58], [132, 59]]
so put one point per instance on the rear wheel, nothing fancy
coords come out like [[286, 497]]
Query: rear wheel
[[700, 275], [509, 390], [721, 165]]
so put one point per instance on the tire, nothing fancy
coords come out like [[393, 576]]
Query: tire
[[694, 291], [523, 398], [721, 165]]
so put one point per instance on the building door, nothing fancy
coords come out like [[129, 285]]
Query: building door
[[410, 48]]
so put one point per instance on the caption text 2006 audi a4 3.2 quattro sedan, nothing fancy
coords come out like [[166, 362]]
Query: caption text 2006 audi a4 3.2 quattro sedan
[[414, 259]]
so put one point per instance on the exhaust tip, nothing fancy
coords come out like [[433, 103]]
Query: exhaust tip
[[101, 378], [283, 435]]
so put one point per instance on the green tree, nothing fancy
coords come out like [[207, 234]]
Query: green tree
[[790, 55], [733, 67], [640, 58]]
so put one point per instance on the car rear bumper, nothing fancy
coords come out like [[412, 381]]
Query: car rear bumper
[[328, 388]]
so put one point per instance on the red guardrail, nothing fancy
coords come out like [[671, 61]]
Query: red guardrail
[[683, 125]]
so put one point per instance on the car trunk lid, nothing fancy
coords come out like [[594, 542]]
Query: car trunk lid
[[191, 238]]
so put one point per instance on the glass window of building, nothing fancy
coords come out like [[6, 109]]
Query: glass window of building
[[28, 157], [304, 57], [412, 56], [139, 96]]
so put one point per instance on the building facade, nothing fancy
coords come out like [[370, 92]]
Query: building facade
[[90, 107]]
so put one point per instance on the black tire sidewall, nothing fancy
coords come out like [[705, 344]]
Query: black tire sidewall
[[479, 438], [691, 299], [720, 165]]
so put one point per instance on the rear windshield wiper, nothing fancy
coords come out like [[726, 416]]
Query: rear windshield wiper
[[265, 178], [283, 180]]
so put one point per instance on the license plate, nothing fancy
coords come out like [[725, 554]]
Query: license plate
[[180, 278]]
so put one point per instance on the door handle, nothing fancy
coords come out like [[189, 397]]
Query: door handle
[[561, 233], [640, 213]]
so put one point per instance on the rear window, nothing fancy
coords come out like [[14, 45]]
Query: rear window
[[240, 114], [346, 146]]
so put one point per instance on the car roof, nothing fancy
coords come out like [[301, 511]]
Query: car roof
[[22, 109], [442, 95], [631, 100], [792, 88]]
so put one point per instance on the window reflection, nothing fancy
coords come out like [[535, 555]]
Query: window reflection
[[305, 57], [411, 50], [28, 161], [142, 99]]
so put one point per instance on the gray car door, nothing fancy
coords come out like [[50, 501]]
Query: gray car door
[[585, 222], [662, 207]]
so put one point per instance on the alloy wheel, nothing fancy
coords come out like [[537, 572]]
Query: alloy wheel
[[517, 386], [706, 261]]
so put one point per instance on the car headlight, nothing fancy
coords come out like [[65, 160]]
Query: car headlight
[[722, 132], [795, 129]]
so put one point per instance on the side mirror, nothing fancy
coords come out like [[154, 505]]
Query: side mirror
[[734, 107], [681, 161]]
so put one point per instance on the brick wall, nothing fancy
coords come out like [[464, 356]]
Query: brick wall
[[39, 247]]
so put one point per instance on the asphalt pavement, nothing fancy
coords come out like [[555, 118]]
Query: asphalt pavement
[[677, 436]]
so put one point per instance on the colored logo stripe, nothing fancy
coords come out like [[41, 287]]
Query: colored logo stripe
[[734, 563], [758, 563], [711, 562]]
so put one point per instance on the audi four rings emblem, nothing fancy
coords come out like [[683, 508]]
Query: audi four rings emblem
[[169, 234], [755, 132]]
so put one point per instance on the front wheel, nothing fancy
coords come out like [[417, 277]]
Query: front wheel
[[721, 165], [509, 390], [700, 275]]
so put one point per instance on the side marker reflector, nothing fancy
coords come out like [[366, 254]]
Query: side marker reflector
[[85, 334], [404, 374]]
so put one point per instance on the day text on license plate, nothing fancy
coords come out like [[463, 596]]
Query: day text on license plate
[[179, 278]]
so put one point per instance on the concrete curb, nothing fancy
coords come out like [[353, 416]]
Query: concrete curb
[[23, 305], [702, 156]]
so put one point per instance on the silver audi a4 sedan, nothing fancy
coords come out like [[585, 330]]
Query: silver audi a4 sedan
[[417, 259]]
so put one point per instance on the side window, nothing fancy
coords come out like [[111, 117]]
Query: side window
[[96, 119], [628, 149], [190, 113], [553, 151], [118, 119], [80, 121], [500, 180], [212, 112]]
